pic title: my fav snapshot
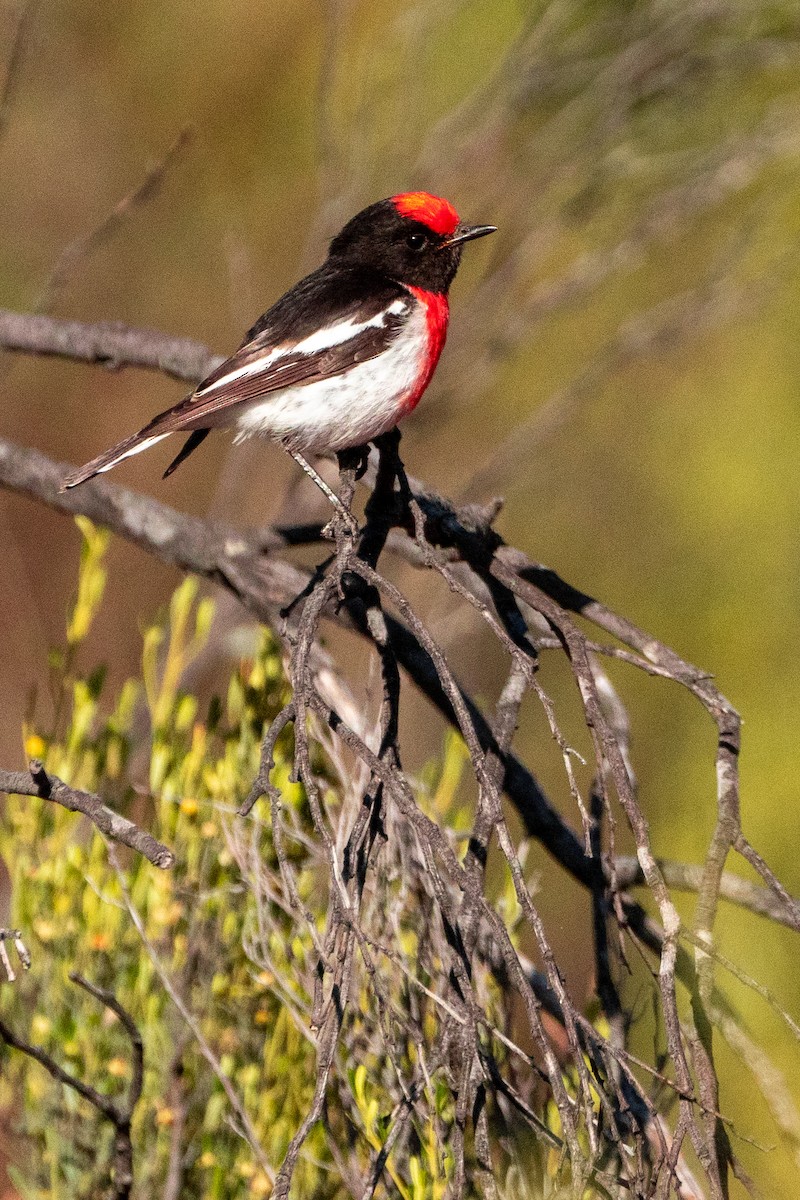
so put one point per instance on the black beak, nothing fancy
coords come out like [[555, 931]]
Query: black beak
[[467, 233]]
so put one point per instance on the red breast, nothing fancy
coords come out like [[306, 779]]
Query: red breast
[[437, 315]]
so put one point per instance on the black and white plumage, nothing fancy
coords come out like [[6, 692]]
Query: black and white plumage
[[343, 355]]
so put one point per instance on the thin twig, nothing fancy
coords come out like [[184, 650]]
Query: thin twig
[[119, 1115]]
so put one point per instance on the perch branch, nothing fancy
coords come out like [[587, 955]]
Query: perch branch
[[507, 590]]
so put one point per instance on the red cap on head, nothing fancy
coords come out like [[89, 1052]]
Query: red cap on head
[[439, 215]]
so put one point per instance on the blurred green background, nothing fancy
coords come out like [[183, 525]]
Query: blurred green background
[[623, 363]]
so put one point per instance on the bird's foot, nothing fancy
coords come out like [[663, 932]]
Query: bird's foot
[[342, 525]]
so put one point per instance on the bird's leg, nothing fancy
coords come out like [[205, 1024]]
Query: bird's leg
[[342, 511], [349, 464], [356, 459]]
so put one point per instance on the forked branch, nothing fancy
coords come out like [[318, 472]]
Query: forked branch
[[613, 1133]]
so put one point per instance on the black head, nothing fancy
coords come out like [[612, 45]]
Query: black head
[[413, 238]]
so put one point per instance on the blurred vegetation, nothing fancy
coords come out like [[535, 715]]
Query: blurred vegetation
[[623, 362], [72, 895], [217, 931]]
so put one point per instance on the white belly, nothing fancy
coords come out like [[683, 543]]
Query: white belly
[[344, 410]]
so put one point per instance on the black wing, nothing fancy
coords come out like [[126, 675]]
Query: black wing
[[273, 356], [269, 358]]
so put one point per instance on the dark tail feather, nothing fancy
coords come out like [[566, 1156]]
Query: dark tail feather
[[104, 462], [192, 442]]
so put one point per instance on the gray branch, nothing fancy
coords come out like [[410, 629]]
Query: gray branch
[[109, 343], [38, 782]]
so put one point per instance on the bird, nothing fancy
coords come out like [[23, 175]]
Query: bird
[[342, 356]]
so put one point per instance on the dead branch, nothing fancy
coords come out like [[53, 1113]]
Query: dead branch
[[16, 59], [620, 1143], [120, 1115], [23, 954], [248, 565], [85, 244], [106, 343], [39, 782]]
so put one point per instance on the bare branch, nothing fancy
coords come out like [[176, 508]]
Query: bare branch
[[248, 565], [15, 63], [15, 936], [84, 245], [41, 783], [613, 1133], [106, 343], [688, 877], [119, 1115]]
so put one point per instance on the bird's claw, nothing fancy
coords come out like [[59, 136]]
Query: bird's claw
[[341, 524]]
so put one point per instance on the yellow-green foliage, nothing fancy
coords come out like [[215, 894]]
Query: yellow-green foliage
[[69, 901], [219, 926]]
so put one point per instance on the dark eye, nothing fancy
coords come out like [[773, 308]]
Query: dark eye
[[416, 241]]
